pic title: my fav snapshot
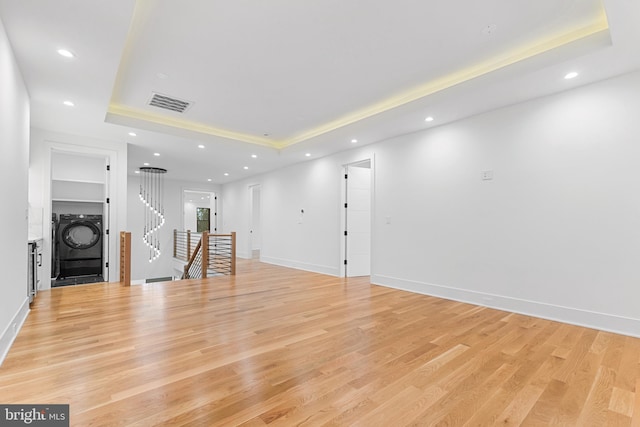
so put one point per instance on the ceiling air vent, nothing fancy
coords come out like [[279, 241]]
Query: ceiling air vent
[[168, 103]]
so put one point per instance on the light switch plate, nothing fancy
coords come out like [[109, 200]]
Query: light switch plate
[[486, 175]]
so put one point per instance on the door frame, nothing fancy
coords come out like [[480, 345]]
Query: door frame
[[343, 212], [213, 224], [252, 188], [111, 185]]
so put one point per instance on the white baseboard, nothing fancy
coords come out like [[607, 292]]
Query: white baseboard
[[571, 315], [323, 269], [11, 331]]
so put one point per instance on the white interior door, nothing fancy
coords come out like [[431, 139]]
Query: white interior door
[[358, 220], [255, 229]]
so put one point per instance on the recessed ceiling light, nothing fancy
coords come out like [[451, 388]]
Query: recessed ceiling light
[[146, 164], [66, 53], [200, 146], [137, 172], [254, 156], [308, 154], [354, 141], [69, 103], [571, 75], [209, 179], [156, 154], [428, 119], [226, 174], [246, 167], [132, 134]]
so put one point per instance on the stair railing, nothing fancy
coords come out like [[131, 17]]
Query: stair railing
[[193, 268], [214, 254]]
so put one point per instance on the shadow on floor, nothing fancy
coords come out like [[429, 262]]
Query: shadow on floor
[[80, 280]]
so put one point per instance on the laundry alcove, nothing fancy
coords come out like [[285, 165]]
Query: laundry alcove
[[79, 219]]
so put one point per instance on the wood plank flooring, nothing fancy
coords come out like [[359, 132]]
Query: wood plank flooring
[[280, 347]]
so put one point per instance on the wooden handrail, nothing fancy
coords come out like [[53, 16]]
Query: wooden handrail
[[192, 258]]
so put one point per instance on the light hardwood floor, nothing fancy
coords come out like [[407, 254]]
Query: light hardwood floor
[[281, 347]]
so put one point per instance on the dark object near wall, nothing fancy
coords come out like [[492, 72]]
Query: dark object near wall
[[80, 245]]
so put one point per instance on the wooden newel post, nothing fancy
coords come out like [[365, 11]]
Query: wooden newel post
[[175, 243], [188, 245], [233, 253], [125, 258], [204, 243]]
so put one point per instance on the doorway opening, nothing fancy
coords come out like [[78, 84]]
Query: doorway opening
[[357, 219], [255, 229], [80, 216], [200, 211]]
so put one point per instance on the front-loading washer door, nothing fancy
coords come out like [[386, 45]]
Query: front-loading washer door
[[81, 235]]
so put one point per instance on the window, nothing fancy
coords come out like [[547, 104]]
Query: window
[[203, 218]]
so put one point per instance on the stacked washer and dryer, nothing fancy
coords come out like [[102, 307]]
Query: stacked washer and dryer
[[78, 248]]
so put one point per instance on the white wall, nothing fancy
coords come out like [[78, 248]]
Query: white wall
[[141, 268], [78, 178], [74, 167], [189, 221], [237, 217], [44, 145], [309, 241], [14, 167], [86, 208], [555, 234]]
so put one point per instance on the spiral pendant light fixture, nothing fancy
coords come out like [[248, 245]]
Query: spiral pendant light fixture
[[152, 196]]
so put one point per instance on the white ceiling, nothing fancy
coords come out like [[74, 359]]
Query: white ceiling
[[281, 78]]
